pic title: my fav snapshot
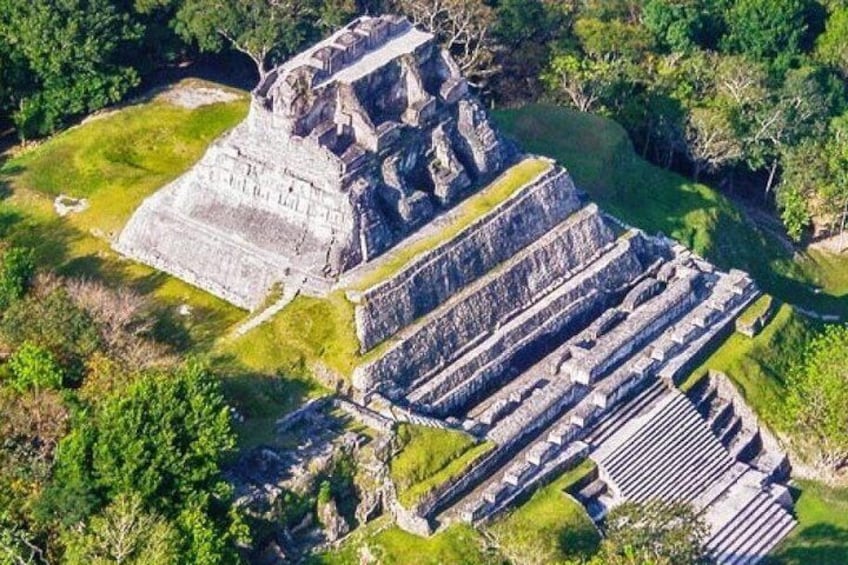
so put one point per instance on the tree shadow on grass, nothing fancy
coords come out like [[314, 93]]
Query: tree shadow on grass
[[819, 544]]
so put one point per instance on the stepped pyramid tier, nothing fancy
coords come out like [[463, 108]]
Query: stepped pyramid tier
[[557, 333], [347, 147]]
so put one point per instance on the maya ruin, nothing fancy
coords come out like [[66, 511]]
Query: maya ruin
[[544, 326]]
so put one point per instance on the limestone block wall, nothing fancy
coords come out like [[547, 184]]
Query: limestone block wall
[[198, 254], [432, 345], [435, 276], [479, 371], [639, 328]]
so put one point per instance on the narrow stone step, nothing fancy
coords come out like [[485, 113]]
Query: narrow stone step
[[622, 413]]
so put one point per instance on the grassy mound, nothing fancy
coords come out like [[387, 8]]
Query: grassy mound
[[599, 156], [758, 365], [821, 537], [430, 457], [115, 160], [551, 527]]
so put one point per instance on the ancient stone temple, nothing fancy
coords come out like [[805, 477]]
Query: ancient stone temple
[[348, 146], [541, 325]]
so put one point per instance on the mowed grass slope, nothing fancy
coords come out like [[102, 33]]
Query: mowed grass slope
[[430, 457], [600, 157], [381, 542], [115, 160]]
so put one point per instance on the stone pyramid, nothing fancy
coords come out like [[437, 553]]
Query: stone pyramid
[[348, 146]]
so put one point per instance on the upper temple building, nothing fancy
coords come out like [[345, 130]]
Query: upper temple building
[[348, 146]]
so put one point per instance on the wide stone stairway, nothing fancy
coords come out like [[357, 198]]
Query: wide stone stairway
[[670, 452], [553, 331]]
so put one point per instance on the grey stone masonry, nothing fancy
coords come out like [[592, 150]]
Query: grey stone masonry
[[436, 275], [348, 146], [446, 333]]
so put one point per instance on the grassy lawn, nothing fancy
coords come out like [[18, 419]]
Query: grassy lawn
[[758, 365], [600, 158], [308, 334], [389, 545], [430, 457], [551, 527], [465, 214], [821, 537], [115, 160]]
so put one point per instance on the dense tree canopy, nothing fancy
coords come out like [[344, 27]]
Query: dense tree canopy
[[71, 58], [818, 400]]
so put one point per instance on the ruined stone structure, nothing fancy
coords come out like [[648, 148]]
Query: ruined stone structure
[[348, 146], [561, 338], [544, 326]]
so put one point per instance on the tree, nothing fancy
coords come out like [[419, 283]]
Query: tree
[[835, 192], [769, 31], [712, 140], [464, 27], [124, 533], [162, 440], [831, 46], [817, 400], [776, 119], [682, 25], [49, 319], [34, 368], [75, 53], [16, 273], [655, 532], [16, 544], [585, 81], [264, 30], [805, 171]]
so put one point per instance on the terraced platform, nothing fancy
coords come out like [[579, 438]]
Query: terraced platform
[[561, 337]]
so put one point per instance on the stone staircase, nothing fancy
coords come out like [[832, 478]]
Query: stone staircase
[[674, 453]]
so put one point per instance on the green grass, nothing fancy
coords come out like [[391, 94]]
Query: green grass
[[115, 161], [551, 527], [308, 334], [821, 537], [389, 545], [758, 366], [760, 306], [599, 156], [465, 214], [119, 159], [430, 457]]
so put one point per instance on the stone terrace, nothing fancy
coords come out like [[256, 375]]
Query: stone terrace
[[534, 335], [348, 147]]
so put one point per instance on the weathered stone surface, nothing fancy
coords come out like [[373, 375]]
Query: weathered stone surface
[[348, 146], [435, 276], [458, 325], [335, 526]]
